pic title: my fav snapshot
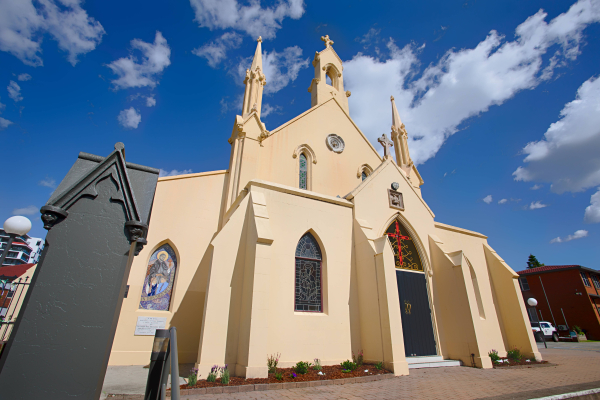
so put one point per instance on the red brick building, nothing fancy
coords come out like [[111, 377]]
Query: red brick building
[[567, 295]]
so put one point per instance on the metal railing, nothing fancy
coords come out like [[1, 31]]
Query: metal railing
[[11, 299]]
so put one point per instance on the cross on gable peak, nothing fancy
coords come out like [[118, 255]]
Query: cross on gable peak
[[328, 42], [386, 143]]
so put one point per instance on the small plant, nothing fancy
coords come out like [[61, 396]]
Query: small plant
[[212, 375], [293, 375], [494, 356], [193, 377], [225, 375], [302, 367], [577, 329], [358, 359], [278, 376], [272, 362], [379, 365], [348, 365], [317, 365], [514, 354]]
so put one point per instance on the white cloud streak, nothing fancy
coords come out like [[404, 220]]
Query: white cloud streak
[[536, 205], [48, 182], [577, 235], [150, 101], [23, 24], [24, 77], [216, 51], [488, 199], [4, 123], [14, 91], [465, 82], [129, 118], [173, 172], [502, 201], [29, 210], [145, 72], [252, 19], [592, 212]]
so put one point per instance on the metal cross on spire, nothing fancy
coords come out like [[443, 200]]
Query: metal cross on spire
[[328, 42], [386, 143]]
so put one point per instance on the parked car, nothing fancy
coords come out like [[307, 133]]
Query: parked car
[[544, 328]]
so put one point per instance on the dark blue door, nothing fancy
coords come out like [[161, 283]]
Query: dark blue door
[[416, 314]]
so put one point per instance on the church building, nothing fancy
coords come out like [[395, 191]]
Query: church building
[[313, 245]]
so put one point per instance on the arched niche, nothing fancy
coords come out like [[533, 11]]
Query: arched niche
[[160, 277]]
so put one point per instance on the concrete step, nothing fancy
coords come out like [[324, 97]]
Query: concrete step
[[431, 362]]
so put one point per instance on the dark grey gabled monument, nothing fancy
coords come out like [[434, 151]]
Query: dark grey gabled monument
[[97, 220]]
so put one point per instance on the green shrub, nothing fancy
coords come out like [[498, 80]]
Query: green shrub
[[514, 354], [358, 359], [225, 376], [379, 365], [577, 329], [348, 365], [302, 367], [494, 356], [193, 377], [279, 376], [211, 377]]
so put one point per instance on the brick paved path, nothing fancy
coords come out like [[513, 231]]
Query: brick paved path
[[573, 371]]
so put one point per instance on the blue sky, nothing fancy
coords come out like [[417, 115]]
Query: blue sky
[[500, 99]]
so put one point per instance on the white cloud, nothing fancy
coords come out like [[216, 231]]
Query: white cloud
[[577, 235], [4, 123], [267, 109], [155, 58], [465, 82], [150, 101], [174, 172], [30, 210], [536, 204], [216, 51], [23, 25], [569, 154], [24, 77], [14, 91], [487, 199], [502, 201], [279, 68], [48, 182], [592, 212], [129, 118], [252, 19], [536, 187]]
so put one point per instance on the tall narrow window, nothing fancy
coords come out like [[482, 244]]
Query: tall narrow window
[[524, 284], [596, 281], [159, 279], [364, 175], [586, 281], [303, 171], [308, 275]]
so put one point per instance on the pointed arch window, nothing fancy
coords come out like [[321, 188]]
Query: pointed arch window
[[406, 255], [159, 279], [363, 175], [303, 171], [308, 291]]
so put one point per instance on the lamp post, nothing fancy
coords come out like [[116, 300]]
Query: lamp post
[[14, 226], [533, 303]]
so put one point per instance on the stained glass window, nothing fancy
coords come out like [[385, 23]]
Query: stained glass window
[[308, 275], [303, 171], [364, 175], [159, 279], [405, 251]]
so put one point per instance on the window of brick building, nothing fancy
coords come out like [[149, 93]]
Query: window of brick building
[[523, 283], [586, 281]]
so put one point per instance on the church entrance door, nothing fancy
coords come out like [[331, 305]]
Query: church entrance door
[[416, 314]]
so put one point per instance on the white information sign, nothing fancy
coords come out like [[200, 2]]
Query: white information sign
[[147, 326]]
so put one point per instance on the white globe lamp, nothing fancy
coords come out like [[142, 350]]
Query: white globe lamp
[[14, 226], [532, 302]]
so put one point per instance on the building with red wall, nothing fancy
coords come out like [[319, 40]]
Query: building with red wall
[[567, 295]]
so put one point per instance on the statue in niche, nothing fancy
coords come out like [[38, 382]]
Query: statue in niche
[[159, 279]]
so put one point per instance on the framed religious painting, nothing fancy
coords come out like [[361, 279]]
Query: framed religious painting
[[158, 283]]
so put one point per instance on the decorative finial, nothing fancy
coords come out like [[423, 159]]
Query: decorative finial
[[259, 40], [386, 143], [328, 42], [392, 98]]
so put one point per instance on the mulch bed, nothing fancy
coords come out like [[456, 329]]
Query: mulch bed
[[513, 363], [329, 372]]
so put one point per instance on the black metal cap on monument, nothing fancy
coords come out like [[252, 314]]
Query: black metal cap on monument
[[97, 220]]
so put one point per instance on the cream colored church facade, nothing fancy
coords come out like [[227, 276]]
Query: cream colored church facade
[[295, 250]]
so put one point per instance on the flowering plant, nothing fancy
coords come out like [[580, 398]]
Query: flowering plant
[[358, 359], [293, 375], [212, 375], [317, 365], [193, 377], [272, 362], [494, 356]]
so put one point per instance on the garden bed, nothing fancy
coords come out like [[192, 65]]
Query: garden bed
[[329, 372], [507, 363]]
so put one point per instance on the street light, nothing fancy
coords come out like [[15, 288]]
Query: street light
[[14, 226], [533, 303]]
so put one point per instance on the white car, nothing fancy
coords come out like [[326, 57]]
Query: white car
[[545, 328]]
